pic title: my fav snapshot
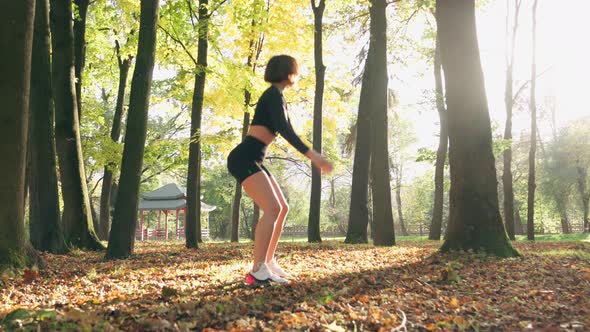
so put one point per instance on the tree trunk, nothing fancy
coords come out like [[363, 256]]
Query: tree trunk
[[441, 153], [475, 222], [255, 219], [15, 52], [358, 216], [507, 177], [384, 234], [565, 225], [585, 195], [255, 50], [80, 48], [235, 217], [193, 192], [122, 235], [107, 181], [519, 228], [44, 225], [77, 217], [533, 150], [398, 200], [313, 228]]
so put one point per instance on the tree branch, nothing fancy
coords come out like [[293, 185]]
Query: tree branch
[[178, 41], [216, 8], [192, 13]]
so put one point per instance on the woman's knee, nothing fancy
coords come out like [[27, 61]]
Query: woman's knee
[[284, 208], [273, 209]]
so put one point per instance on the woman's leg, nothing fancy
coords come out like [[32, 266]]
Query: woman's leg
[[278, 229], [259, 187]]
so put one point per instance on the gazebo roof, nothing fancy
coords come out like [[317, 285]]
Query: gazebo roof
[[170, 191], [168, 197]]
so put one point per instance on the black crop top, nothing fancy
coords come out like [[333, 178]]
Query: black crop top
[[271, 112]]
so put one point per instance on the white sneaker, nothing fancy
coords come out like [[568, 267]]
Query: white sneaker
[[264, 275], [274, 267]]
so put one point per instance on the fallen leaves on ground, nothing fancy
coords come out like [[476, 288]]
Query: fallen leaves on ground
[[337, 287]]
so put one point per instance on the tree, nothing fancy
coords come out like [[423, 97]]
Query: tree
[[255, 220], [15, 52], [402, 136], [193, 191], [45, 228], [122, 235], [398, 198], [371, 155], [584, 193], [567, 167], [507, 177], [313, 228], [77, 217], [107, 181], [533, 149], [358, 216], [235, 216], [441, 153], [255, 44], [80, 47], [384, 234], [475, 222]]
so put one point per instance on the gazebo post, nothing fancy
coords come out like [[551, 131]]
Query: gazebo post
[[166, 224], [141, 224], [177, 237], [159, 225]]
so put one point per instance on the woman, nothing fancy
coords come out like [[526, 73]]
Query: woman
[[245, 163]]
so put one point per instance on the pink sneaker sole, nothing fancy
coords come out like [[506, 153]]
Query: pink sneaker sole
[[250, 280]]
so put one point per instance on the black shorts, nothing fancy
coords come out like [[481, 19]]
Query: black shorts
[[246, 159]]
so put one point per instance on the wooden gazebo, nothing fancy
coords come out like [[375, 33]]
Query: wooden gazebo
[[165, 200]]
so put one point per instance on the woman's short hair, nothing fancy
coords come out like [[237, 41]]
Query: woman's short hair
[[279, 68]]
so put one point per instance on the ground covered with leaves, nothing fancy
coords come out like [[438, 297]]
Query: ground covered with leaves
[[337, 287]]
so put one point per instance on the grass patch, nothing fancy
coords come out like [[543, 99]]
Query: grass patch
[[558, 237], [580, 254]]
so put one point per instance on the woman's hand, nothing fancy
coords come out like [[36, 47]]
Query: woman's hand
[[320, 161]]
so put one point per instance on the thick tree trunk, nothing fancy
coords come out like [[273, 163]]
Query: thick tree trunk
[[44, 225], [193, 192], [441, 153], [313, 227], [122, 235], [80, 48], [77, 217], [507, 177], [15, 52], [107, 181], [381, 185], [475, 222], [533, 150], [235, 217]]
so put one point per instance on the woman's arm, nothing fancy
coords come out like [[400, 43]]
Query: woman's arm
[[283, 126]]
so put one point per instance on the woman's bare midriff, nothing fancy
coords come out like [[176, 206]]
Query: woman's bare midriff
[[261, 133]]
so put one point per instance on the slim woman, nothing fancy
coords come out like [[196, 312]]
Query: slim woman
[[245, 163]]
